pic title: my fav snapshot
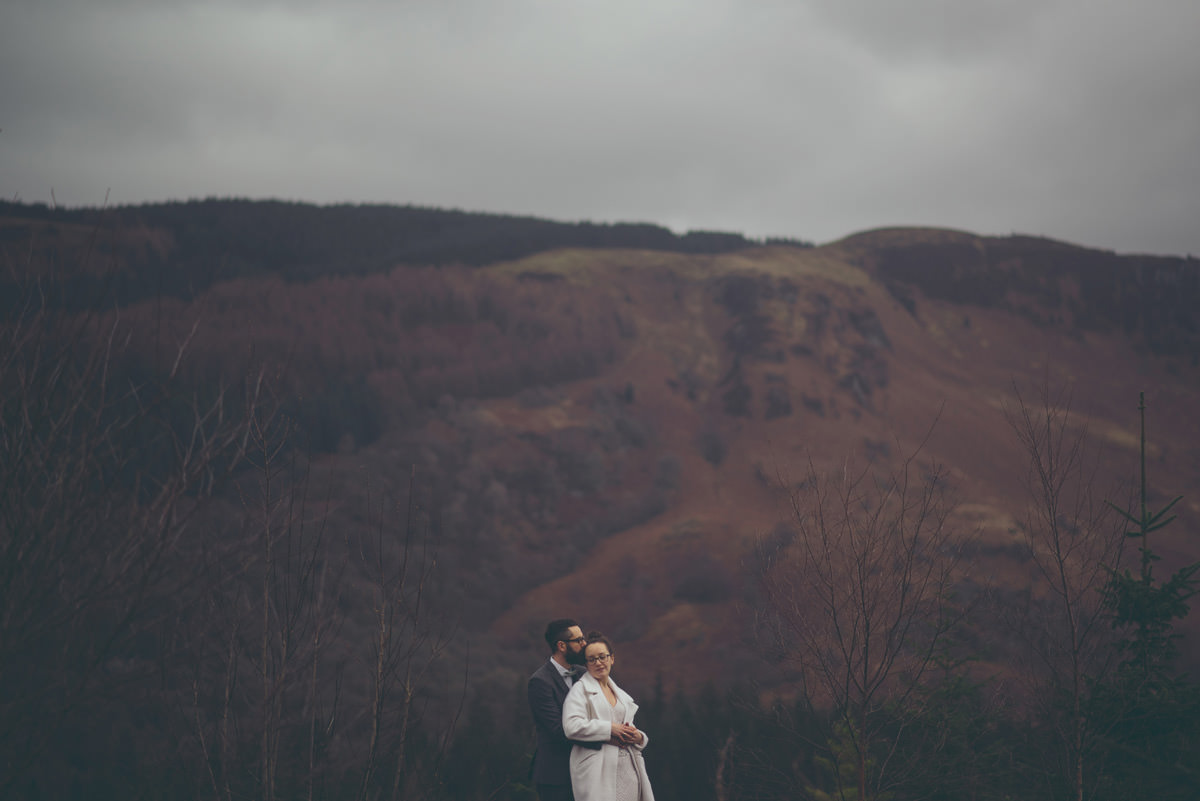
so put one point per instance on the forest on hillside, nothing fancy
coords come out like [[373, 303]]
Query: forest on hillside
[[193, 607], [1054, 284], [180, 249]]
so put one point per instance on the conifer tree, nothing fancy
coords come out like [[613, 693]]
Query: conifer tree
[[1148, 711]]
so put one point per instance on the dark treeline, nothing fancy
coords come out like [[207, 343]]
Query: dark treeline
[[1150, 298], [182, 248]]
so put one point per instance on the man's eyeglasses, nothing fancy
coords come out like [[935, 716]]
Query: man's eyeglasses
[[598, 658], [577, 639]]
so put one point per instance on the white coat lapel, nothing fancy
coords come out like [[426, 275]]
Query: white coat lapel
[[598, 706]]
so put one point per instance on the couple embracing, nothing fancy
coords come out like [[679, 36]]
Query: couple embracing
[[587, 746]]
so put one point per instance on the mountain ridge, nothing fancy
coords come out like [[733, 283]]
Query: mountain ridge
[[608, 431]]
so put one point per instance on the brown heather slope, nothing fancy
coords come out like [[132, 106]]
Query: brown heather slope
[[606, 433], [786, 355]]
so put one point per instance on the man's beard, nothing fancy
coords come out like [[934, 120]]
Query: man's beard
[[576, 658]]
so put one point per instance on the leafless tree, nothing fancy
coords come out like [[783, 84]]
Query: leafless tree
[[288, 682], [103, 466], [265, 682], [1074, 538], [862, 598], [408, 642]]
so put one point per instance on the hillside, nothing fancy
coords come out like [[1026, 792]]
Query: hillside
[[751, 365], [181, 249], [606, 429]]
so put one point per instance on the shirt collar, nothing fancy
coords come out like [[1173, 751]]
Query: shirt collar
[[569, 675]]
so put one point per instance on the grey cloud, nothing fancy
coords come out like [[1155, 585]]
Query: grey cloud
[[1065, 118], [939, 30]]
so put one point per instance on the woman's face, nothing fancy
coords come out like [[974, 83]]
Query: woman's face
[[599, 660]]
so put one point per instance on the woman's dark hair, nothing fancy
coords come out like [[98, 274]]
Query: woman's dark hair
[[595, 636]]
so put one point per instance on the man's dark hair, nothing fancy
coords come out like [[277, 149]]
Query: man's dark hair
[[556, 631]]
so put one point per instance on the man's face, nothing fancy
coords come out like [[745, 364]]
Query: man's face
[[575, 641]]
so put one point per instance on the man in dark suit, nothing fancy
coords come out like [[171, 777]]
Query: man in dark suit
[[548, 687]]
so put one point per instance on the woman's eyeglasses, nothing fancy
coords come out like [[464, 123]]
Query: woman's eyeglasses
[[598, 658]]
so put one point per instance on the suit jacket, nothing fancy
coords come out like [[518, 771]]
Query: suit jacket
[[551, 760]]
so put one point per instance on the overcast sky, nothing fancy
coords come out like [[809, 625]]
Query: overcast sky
[[1073, 119]]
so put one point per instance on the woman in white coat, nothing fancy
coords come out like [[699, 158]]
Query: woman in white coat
[[597, 710]]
